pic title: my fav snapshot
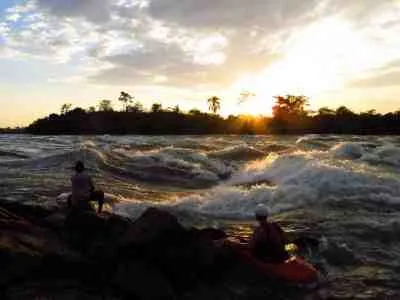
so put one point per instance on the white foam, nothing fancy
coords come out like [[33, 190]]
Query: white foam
[[301, 181], [186, 163], [225, 201], [86, 145], [347, 150], [238, 152], [222, 202], [387, 154]]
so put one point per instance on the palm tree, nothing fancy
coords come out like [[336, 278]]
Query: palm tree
[[214, 104]]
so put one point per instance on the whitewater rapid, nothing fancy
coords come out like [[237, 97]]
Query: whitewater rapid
[[223, 176]]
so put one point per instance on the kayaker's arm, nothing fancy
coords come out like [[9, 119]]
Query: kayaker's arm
[[281, 233]]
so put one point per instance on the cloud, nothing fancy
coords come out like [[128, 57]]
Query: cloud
[[187, 42], [217, 14], [93, 10], [147, 65], [380, 80]]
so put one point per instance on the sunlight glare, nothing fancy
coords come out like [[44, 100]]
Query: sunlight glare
[[320, 58]]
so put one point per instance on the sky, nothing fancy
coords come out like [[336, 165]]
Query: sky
[[180, 52]]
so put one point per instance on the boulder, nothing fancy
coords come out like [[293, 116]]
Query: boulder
[[28, 250], [183, 256], [109, 256], [139, 279], [56, 220], [340, 255], [151, 226], [210, 234]]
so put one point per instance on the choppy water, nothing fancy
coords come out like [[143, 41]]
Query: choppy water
[[344, 190]]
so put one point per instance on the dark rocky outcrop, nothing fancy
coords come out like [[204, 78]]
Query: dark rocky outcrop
[[58, 255]]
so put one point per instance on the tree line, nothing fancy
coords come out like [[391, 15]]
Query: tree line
[[290, 116], [131, 105]]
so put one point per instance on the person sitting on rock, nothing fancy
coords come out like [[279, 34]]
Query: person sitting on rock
[[83, 190], [268, 241]]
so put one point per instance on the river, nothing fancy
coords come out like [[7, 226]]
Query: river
[[343, 190]]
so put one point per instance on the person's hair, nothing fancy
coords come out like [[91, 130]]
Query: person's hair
[[79, 166]]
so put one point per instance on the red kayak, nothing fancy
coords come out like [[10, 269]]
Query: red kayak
[[294, 270]]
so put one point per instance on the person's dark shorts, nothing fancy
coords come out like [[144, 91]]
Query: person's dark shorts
[[97, 196]]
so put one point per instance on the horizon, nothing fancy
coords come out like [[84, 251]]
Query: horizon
[[180, 52]]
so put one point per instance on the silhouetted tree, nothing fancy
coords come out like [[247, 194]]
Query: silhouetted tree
[[214, 104], [135, 108], [105, 105], [126, 99], [195, 112], [176, 109], [156, 107], [370, 113], [290, 116], [325, 111], [290, 105], [66, 107], [77, 111], [91, 109], [343, 111]]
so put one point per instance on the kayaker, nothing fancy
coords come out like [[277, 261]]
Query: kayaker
[[83, 190], [268, 240]]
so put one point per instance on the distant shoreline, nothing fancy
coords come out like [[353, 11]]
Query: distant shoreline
[[198, 134], [290, 117], [171, 123]]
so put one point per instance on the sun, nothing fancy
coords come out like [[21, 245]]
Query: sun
[[317, 59]]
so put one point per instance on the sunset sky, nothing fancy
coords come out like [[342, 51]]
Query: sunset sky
[[337, 52]]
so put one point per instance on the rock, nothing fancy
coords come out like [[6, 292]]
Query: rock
[[16, 267], [107, 256], [183, 256], [18, 235], [56, 220], [27, 212], [139, 279], [160, 239], [82, 229], [152, 225], [209, 234], [340, 255], [29, 251], [205, 244], [116, 226]]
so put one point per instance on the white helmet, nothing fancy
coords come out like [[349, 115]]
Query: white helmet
[[262, 211]]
